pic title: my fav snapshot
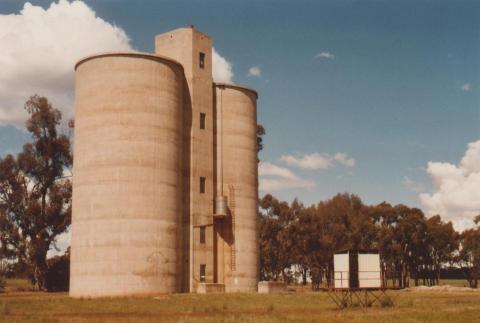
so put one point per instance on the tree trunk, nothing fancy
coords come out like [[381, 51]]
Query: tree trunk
[[39, 273], [438, 276], [39, 264], [404, 276]]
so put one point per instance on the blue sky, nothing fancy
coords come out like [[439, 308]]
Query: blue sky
[[397, 85]]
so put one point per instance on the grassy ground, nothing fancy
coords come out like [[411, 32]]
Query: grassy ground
[[18, 285], [297, 307], [455, 282]]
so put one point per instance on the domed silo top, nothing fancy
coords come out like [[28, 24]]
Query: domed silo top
[[128, 54], [237, 87]]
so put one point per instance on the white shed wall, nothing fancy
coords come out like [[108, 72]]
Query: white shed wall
[[369, 271], [341, 269]]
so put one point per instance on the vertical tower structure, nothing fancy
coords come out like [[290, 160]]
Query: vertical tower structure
[[193, 50], [165, 186]]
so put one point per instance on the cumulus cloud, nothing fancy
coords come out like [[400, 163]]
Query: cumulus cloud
[[275, 178], [343, 159], [254, 71], [466, 87], [325, 55], [39, 49], [313, 161], [222, 69], [317, 161], [456, 191]]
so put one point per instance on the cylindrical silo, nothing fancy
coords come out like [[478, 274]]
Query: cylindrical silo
[[127, 176], [236, 110]]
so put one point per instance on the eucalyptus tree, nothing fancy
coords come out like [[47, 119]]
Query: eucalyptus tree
[[35, 195], [470, 253]]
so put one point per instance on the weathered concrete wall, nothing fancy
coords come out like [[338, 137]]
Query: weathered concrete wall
[[127, 176], [238, 237]]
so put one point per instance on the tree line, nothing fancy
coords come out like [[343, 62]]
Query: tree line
[[412, 246]]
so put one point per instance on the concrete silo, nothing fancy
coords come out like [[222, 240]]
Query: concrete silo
[[237, 182], [165, 183], [127, 185]]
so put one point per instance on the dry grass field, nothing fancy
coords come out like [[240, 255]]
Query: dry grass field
[[410, 306]]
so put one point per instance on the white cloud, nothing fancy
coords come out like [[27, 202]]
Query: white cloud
[[222, 69], [456, 194], [466, 87], [313, 161], [275, 178], [471, 160], [254, 71], [317, 161], [325, 55], [39, 48], [343, 159]]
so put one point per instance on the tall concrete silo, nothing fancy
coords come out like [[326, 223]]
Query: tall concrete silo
[[128, 176], [237, 182]]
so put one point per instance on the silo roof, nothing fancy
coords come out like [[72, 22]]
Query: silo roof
[[236, 86], [129, 54]]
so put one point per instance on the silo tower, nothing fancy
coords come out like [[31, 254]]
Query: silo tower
[[127, 182], [165, 186]]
